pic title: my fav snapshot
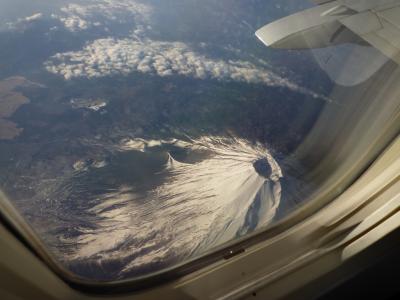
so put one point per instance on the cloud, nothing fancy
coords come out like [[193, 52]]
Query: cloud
[[34, 17], [137, 53], [22, 24], [73, 23], [107, 57], [78, 17]]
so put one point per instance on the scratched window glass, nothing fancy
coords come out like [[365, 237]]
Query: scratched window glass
[[136, 135]]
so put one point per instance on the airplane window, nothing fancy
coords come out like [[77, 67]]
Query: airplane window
[[138, 135]]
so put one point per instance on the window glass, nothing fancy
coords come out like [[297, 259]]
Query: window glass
[[136, 135]]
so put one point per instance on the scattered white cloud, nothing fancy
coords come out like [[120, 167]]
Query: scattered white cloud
[[92, 104], [78, 17], [22, 24], [34, 17], [73, 23], [109, 56], [137, 53]]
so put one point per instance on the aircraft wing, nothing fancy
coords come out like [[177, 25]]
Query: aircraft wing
[[376, 22], [380, 28]]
